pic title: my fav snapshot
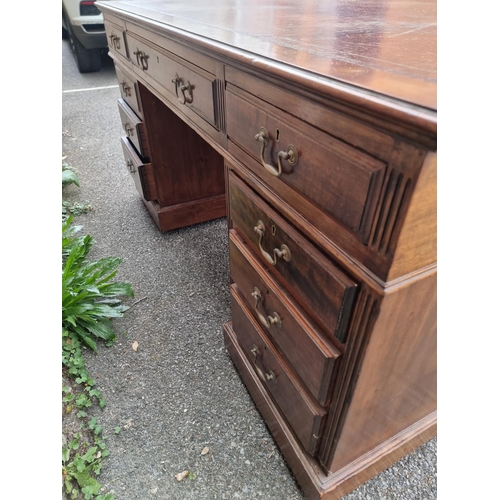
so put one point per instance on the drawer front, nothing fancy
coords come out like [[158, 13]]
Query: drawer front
[[286, 152], [142, 173], [185, 84], [129, 90], [320, 287], [117, 41], [304, 416], [134, 128], [304, 347]]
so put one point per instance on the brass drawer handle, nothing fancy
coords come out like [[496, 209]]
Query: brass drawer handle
[[270, 320], [265, 377], [138, 54], [283, 253], [142, 59], [126, 88], [290, 155], [185, 88], [131, 167], [128, 129], [114, 41]]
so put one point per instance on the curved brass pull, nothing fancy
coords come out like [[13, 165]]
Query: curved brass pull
[[283, 253], [185, 88], [114, 41], [128, 129], [126, 88], [144, 61], [138, 55], [291, 155], [270, 320], [265, 377]]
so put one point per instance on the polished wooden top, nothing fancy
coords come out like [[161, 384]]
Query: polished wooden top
[[384, 47]]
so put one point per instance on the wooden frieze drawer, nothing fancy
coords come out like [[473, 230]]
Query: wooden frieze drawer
[[134, 128], [128, 89], [117, 41], [142, 173], [321, 288], [303, 414], [305, 348], [186, 84], [293, 157]]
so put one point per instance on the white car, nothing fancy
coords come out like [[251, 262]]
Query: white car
[[83, 24]]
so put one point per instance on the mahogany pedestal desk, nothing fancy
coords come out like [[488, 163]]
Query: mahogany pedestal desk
[[312, 126]]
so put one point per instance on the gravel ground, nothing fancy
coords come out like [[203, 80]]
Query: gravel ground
[[179, 392]]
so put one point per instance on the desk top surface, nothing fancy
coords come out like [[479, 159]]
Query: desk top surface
[[386, 47]]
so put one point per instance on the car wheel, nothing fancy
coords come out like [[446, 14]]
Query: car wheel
[[87, 60]]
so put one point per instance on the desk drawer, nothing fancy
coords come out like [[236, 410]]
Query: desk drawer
[[129, 90], [302, 344], [117, 41], [303, 414], [142, 173], [292, 156], [320, 287], [186, 84], [134, 128]]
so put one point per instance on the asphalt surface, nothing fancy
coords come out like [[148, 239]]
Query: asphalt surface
[[179, 392]]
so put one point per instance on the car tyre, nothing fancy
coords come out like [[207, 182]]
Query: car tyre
[[87, 60]]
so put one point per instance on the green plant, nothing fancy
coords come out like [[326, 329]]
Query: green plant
[[83, 455], [89, 297], [75, 208], [69, 175], [81, 462]]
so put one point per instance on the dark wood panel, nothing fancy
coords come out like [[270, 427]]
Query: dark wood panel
[[314, 482], [142, 173], [417, 244], [134, 128], [305, 347], [186, 167], [191, 86], [325, 292], [117, 41], [304, 415], [128, 89], [340, 180], [395, 385], [190, 212], [310, 108]]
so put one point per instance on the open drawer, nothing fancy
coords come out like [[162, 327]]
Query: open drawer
[[141, 172]]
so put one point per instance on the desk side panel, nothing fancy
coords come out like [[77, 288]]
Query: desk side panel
[[417, 244], [396, 385]]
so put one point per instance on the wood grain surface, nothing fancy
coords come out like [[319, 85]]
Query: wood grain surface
[[387, 47]]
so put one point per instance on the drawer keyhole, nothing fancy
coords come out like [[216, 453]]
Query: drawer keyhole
[[277, 135], [273, 230]]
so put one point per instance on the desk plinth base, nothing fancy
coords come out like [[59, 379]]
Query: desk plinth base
[[313, 481], [186, 214]]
